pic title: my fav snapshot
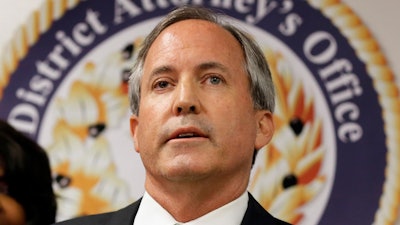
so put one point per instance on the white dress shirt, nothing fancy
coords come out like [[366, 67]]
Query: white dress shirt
[[152, 213]]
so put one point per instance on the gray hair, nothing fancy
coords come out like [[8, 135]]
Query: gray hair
[[261, 85]]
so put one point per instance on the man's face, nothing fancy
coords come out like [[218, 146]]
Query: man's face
[[196, 116]]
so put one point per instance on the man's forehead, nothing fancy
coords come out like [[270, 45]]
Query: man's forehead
[[195, 29], [191, 33]]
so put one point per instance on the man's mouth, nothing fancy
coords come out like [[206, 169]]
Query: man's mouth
[[187, 133]]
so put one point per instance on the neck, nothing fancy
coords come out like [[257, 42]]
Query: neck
[[186, 201]]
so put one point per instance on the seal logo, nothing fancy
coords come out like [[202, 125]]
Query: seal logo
[[333, 159]]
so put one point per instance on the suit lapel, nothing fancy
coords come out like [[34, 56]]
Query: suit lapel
[[256, 214], [125, 216]]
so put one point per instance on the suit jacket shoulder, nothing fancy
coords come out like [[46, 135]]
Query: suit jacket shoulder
[[124, 216], [257, 215]]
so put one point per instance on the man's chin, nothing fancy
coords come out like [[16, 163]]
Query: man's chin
[[186, 173]]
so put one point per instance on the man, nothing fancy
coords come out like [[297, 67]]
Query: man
[[202, 99]]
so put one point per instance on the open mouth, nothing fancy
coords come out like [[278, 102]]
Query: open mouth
[[187, 133]]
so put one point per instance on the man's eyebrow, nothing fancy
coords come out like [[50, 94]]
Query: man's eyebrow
[[212, 65], [201, 67], [160, 70]]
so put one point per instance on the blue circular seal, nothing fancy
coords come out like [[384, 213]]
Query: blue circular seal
[[326, 164]]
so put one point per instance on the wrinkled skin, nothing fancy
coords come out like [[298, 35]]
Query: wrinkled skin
[[197, 128]]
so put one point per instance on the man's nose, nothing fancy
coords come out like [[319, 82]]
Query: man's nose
[[186, 99]]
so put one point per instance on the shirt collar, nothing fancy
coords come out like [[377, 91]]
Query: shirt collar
[[150, 213]]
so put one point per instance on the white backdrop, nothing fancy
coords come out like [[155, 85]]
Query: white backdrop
[[381, 17]]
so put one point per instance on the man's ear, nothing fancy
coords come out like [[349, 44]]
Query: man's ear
[[134, 124], [265, 128]]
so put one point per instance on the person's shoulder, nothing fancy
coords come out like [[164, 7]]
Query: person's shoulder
[[281, 222], [123, 216], [98, 219], [256, 214]]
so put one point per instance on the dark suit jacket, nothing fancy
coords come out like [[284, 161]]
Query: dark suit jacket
[[255, 215]]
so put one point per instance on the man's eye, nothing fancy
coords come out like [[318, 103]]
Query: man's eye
[[214, 80], [161, 84]]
